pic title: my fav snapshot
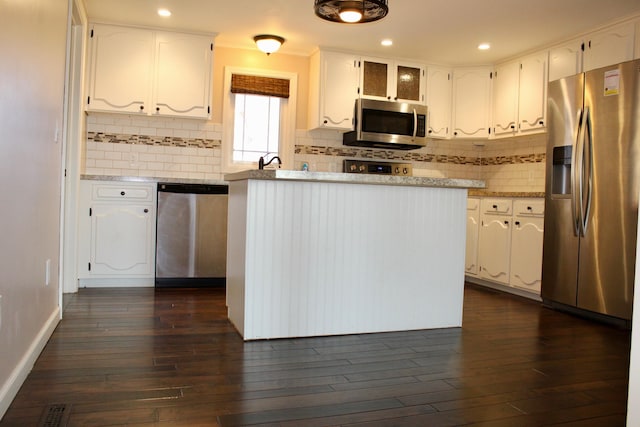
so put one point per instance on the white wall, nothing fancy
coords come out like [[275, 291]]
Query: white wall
[[32, 73]]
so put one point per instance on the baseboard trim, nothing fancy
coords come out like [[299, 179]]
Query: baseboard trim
[[503, 288], [11, 387]]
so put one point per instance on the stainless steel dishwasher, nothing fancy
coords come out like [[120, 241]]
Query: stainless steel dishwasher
[[191, 235]]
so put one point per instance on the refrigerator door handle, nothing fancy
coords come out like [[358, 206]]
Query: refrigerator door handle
[[576, 170], [585, 204]]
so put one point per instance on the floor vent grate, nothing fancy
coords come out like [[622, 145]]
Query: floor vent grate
[[55, 416]]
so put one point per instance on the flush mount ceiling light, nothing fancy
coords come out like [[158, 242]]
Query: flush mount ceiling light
[[351, 11], [164, 12], [268, 43], [484, 46]]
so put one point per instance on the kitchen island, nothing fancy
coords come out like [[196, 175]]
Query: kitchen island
[[312, 253]]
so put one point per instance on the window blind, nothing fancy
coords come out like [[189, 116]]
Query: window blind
[[258, 85]]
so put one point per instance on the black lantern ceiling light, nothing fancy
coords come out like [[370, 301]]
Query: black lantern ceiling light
[[351, 11]]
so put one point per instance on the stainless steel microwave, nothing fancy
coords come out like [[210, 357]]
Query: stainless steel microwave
[[384, 124]]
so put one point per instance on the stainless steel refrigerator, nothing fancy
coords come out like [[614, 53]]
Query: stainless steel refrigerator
[[591, 204]]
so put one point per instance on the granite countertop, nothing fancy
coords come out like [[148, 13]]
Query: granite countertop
[[152, 179], [353, 178], [511, 194]]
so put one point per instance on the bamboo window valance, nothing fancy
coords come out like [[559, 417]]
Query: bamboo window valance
[[258, 85]]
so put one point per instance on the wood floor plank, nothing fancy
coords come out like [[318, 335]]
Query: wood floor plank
[[170, 357]]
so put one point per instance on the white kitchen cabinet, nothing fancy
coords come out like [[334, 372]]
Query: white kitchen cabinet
[[120, 69], [519, 96], [182, 80], [135, 70], [333, 89], [526, 244], [609, 46], [389, 80], [565, 60], [471, 102], [439, 89], [506, 81], [495, 239], [117, 232], [473, 232], [532, 93]]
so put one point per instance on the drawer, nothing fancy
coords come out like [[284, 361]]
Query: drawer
[[473, 204], [529, 207], [497, 206], [125, 192]]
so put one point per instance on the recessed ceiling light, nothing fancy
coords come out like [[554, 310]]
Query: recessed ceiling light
[[386, 42], [164, 12], [484, 46]]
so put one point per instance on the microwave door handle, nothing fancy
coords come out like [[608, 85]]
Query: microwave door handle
[[415, 123]]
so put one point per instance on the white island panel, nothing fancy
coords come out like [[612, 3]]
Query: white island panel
[[326, 258]]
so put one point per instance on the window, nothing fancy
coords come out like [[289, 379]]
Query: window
[[258, 117], [256, 127]]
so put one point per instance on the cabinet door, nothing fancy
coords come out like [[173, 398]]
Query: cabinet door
[[182, 83], [121, 239], [505, 98], [473, 230], [471, 100], [333, 89], [495, 240], [409, 83], [439, 102], [532, 104], [609, 47], [565, 60], [526, 253], [121, 69], [377, 79]]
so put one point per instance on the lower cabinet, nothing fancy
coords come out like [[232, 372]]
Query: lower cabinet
[[473, 230], [117, 233], [509, 243], [495, 239], [526, 245]]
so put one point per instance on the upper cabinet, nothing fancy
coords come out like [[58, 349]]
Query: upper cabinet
[[519, 96], [471, 102], [389, 80], [148, 72], [609, 46], [532, 93], [333, 89], [506, 80], [565, 60], [439, 87]]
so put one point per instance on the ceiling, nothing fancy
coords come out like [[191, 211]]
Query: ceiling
[[439, 32]]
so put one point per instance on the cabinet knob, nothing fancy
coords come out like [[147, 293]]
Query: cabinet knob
[[513, 126], [122, 193], [495, 206], [141, 107], [541, 122], [518, 223], [455, 133], [326, 121], [146, 210], [529, 208], [395, 99], [506, 223], [157, 109], [430, 131], [389, 98]]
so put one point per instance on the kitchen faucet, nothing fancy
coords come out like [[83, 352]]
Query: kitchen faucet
[[262, 164]]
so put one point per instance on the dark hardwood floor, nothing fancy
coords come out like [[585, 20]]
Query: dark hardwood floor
[[141, 357]]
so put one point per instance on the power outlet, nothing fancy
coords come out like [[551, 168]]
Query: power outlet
[[47, 272]]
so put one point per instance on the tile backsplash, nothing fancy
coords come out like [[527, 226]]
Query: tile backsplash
[[180, 148]]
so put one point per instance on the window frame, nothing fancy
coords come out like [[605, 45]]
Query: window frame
[[288, 112]]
